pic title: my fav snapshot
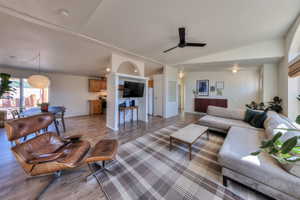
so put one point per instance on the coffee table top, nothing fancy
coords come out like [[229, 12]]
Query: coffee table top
[[190, 133]]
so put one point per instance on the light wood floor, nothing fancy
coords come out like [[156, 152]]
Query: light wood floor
[[14, 184]]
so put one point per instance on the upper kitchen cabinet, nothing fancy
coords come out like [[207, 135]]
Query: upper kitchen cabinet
[[97, 85]]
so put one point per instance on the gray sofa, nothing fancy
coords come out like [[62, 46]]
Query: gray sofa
[[262, 173]]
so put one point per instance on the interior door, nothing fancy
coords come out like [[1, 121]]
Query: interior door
[[158, 97]]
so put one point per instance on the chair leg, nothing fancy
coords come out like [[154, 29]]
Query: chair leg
[[96, 171], [56, 127], [63, 123], [225, 181]]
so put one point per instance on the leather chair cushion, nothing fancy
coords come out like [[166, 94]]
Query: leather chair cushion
[[43, 144], [74, 154], [70, 154], [22, 127]]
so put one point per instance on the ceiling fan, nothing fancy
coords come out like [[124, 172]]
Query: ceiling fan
[[183, 43]]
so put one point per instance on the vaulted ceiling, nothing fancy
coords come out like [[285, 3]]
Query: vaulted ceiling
[[78, 36]]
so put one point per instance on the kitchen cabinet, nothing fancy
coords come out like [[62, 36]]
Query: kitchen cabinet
[[97, 85], [95, 107]]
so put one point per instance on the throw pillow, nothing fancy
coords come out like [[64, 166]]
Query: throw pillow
[[258, 120], [249, 115]]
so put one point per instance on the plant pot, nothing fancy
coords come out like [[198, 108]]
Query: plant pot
[[3, 114], [44, 107], [293, 168]]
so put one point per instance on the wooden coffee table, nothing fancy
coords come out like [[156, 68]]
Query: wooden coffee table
[[189, 135]]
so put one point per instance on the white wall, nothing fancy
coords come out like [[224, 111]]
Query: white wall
[[71, 92], [269, 82], [239, 89], [170, 108], [65, 90]]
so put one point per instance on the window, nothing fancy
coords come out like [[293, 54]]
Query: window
[[33, 96], [15, 101], [24, 97]]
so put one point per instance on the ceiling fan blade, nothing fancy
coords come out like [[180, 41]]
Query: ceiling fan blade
[[181, 35], [170, 49], [195, 44]]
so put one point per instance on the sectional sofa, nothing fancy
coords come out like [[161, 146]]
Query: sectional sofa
[[262, 173]]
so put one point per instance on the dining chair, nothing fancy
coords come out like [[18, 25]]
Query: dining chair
[[61, 116], [15, 114]]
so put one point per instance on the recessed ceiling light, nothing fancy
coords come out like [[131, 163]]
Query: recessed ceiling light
[[64, 12], [108, 69]]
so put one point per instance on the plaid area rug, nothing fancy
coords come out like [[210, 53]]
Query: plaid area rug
[[147, 169]]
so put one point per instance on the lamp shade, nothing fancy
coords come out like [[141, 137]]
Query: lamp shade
[[39, 81]]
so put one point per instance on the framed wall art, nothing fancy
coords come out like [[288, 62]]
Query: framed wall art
[[202, 87]]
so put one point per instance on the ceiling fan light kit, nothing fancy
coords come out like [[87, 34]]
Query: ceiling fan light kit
[[183, 43], [38, 80]]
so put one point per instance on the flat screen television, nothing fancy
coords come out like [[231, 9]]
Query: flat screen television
[[133, 89]]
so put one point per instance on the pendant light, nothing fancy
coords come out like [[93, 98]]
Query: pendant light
[[38, 80]]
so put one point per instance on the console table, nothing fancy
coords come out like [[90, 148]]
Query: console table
[[124, 109], [201, 104]]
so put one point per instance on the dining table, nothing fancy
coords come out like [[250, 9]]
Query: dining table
[[57, 111]]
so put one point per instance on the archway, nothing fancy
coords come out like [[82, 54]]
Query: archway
[[128, 67]]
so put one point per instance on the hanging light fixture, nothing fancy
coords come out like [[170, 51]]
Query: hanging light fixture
[[38, 80], [235, 69], [181, 74]]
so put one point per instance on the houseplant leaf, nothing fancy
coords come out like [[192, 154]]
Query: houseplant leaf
[[288, 145], [255, 153], [266, 144], [298, 119], [276, 137]]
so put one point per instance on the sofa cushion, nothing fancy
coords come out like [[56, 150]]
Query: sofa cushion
[[277, 121], [238, 114], [258, 120], [249, 115], [223, 123], [235, 155]]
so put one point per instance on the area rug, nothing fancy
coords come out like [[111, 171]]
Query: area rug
[[147, 169]]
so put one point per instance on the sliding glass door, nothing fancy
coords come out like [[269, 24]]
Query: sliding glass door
[[15, 101], [24, 97], [33, 96]]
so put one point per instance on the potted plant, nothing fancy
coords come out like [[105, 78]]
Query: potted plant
[[287, 153], [5, 86], [298, 117], [195, 93], [256, 106], [5, 92], [275, 105], [44, 107]]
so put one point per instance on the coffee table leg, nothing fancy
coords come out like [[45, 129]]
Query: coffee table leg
[[190, 147], [170, 143]]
